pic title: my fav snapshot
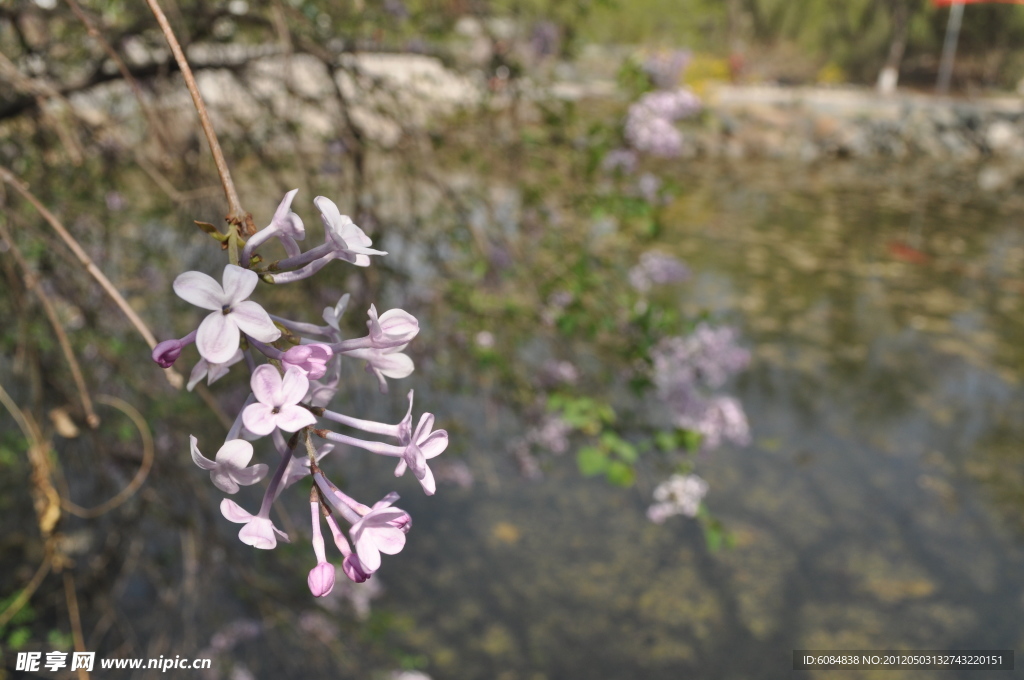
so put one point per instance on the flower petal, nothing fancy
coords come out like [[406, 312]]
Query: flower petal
[[254, 321], [250, 475], [427, 481], [394, 366], [292, 418], [294, 386], [238, 283], [367, 551], [266, 385], [435, 444], [198, 458], [260, 419], [200, 289], [233, 512], [259, 533], [198, 373], [221, 478], [389, 540], [235, 454], [423, 427], [217, 338]]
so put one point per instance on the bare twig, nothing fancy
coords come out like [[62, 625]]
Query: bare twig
[[32, 283], [173, 377], [75, 618], [45, 498], [140, 476], [236, 215], [154, 122], [27, 592]]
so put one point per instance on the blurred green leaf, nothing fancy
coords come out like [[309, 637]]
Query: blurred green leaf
[[592, 461]]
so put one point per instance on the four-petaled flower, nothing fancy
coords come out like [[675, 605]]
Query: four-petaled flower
[[212, 372], [348, 240], [259, 531], [393, 328], [228, 470], [382, 530], [277, 405], [232, 313], [423, 445]]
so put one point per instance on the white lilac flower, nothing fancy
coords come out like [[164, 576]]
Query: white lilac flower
[[719, 420], [232, 313], [415, 447], [277, 401], [332, 315], [393, 328], [259, 531], [285, 225], [212, 372], [229, 470], [348, 241], [678, 495], [384, 363], [382, 530]]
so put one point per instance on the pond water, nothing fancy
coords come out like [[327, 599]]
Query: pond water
[[877, 508]]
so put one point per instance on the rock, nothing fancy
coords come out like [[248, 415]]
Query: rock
[[1003, 138]]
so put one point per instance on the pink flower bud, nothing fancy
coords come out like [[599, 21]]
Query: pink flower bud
[[321, 579], [310, 359], [354, 569], [167, 352]]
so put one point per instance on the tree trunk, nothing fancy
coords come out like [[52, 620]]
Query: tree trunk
[[890, 73]]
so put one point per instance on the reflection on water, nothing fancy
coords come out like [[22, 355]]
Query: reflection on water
[[878, 507]]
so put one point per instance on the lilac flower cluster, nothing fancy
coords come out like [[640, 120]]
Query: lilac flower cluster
[[685, 368], [657, 269], [299, 376], [650, 121], [665, 68], [677, 495]]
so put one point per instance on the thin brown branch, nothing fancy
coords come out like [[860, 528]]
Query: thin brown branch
[[173, 377], [32, 284], [28, 591], [75, 618], [236, 215], [128, 491], [154, 122]]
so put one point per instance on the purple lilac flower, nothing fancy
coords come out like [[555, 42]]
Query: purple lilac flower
[[278, 401], [685, 368], [666, 68], [212, 372], [657, 269], [229, 468], [311, 372], [232, 312], [649, 121], [259, 531], [553, 434]]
